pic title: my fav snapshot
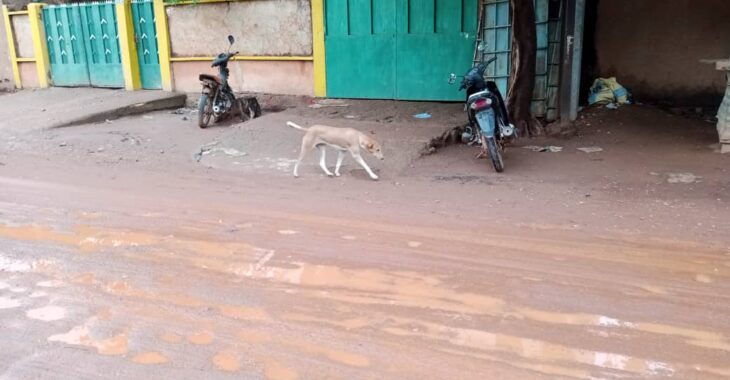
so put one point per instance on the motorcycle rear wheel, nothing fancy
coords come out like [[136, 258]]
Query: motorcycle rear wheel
[[495, 155], [205, 110]]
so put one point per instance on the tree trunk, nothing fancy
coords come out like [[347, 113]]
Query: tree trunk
[[524, 47]]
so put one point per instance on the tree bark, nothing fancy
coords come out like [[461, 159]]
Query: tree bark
[[522, 73]]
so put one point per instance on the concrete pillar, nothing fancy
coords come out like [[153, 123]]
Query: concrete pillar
[[38, 32], [128, 46]]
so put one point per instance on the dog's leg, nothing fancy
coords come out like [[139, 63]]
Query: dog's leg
[[340, 157], [322, 163], [364, 164], [302, 153]]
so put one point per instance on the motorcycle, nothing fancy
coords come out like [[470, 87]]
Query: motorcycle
[[489, 123], [217, 100]]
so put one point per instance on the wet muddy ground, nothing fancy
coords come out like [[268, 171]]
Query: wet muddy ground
[[569, 266]]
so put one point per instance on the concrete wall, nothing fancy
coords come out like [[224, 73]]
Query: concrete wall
[[6, 70], [262, 27], [23, 37], [654, 47], [275, 77], [28, 74]]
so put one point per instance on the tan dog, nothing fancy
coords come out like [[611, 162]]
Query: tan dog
[[343, 140]]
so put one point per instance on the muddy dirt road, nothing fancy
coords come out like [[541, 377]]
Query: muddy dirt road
[[155, 269]]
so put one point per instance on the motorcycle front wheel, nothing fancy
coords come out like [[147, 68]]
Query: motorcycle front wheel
[[205, 110], [495, 155]]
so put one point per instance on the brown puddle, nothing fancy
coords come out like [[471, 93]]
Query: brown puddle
[[275, 371], [89, 239], [226, 361], [171, 337], [80, 336], [150, 358], [244, 313], [201, 338], [703, 278], [254, 336], [348, 324], [337, 356]]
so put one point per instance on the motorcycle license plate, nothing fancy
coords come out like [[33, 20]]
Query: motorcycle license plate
[[486, 122]]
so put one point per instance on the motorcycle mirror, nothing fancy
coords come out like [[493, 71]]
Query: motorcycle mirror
[[231, 40], [452, 78], [482, 47]]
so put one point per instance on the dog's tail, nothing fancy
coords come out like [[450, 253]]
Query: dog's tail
[[295, 126]]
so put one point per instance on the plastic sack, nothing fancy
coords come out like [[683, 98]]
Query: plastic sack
[[608, 90]]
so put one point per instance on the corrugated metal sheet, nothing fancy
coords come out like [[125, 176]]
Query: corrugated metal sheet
[[723, 115]]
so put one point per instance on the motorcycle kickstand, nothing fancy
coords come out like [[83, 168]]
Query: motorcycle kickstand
[[483, 152]]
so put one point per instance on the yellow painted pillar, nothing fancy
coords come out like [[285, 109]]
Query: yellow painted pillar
[[11, 48], [163, 44], [320, 70], [38, 33], [128, 46]]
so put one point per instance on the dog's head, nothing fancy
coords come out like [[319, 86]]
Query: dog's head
[[372, 146]]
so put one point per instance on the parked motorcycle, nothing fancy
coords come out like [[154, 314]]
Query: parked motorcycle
[[217, 100], [489, 123]]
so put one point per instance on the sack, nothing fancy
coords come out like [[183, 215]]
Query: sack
[[608, 90]]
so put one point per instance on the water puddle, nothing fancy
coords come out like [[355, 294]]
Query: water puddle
[[275, 371], [705, 279], [47, 314], [254, 336], [50, 284], [150, 358], [9, 303], [531, 349], [226, 361], [81, 336], [201, 338], [337, 356], [244, 313], [171, 337]]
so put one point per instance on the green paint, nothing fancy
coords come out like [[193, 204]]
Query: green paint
[[65, 43], [146, 40], [83, 45], [104, 58], [402, 49]]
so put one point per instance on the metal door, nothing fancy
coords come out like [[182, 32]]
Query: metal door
[[145, 36], [402, 49], [83, 45], [360, 48], [65, 41], [434, 39], [103, 55]]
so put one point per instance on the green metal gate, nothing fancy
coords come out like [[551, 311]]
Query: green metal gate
[[402, 49], [83, 44], [65, 40], [145, 36]]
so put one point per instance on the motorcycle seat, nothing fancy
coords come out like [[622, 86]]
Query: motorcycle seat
[[213, 78]]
